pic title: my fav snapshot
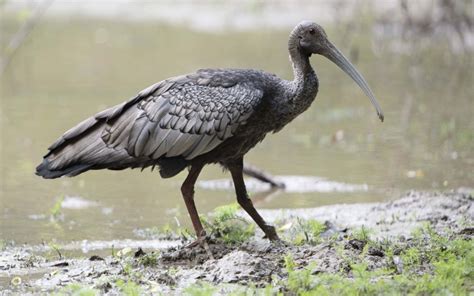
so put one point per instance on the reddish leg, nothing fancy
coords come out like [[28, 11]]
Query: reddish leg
[[236, 170], [187, 189]]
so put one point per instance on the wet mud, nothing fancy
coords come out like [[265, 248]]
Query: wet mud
[[172, 268]]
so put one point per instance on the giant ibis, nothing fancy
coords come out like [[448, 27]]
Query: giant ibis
[[210, 116]]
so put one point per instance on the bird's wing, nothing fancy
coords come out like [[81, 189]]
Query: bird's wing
[[188, 116]]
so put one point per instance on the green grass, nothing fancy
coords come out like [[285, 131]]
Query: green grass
[[308, 231], [55, 249], [128, 288], [433, 264], [447, 266], [149, 260], [55, 210], [298, 280], [363, 234], [75, 289], [227, 226], [200, 289]]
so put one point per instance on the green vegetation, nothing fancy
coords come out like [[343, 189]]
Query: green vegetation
[[77, 290], [167, 232], [447, 266], [200, 289], [222, 224], [55, 248], [55, 210], [362, 234], [306, 232], [3, 244], [225, 225], [128, 288], [149, 260], [297, 281], [433, 264]]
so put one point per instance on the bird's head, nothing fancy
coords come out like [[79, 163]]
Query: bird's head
[[312, 39]]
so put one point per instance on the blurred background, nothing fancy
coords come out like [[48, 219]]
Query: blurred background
[[64, 60]]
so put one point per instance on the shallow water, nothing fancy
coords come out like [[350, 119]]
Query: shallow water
[[72, 69]]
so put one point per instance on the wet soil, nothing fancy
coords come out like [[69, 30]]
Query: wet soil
[[170, 270]]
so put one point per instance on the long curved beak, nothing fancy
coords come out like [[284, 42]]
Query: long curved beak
[[333, 54]]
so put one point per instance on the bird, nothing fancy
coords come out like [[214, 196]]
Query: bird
[[211, 116]]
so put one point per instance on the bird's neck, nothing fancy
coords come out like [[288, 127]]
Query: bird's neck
[[305, 82], [299, 59]]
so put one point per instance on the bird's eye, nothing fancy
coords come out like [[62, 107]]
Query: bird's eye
[[312, 31]]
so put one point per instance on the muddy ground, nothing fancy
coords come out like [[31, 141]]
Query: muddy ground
[[174, 269]]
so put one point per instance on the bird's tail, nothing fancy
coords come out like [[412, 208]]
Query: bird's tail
[[82, 148], [46, 171], [72, 158], [86, 152]]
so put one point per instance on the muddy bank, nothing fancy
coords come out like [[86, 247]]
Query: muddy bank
[[398, 217], [318, 243]]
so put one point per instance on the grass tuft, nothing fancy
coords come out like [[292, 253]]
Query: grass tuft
[[227, 226]]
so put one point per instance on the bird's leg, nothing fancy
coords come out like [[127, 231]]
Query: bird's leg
[[262, 176], [236, 170], [187, 189]]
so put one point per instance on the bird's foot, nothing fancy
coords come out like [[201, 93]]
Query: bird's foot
[[270, 233], [202, 241]]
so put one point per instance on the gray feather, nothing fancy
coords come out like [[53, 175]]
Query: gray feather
[[162, 147], [198, 147], [157, 109], [224, 122], [206, 144], [182, 144], [190, 125]]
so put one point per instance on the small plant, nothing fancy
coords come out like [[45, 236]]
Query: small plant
[[200, 289], [298, 280], [362, 234], [77, 290], [167, 230], [3, 245], [125, 252], [226, 225], [310, 230], [184, 233], [411, 256], [149, 260], [128, 288], [56, 248], [226, 212], [172, 271], [32, 261], [304, 231], [55, 210], [127, 269]]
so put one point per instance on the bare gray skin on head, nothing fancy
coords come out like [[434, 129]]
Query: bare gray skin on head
[[210, 116]]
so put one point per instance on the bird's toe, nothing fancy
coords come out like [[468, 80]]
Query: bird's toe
[[202, 242]]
